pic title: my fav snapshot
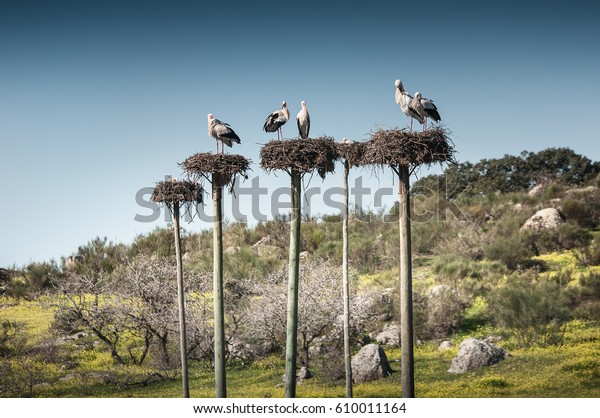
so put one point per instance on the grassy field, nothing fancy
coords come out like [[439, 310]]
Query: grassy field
[[568, 370]]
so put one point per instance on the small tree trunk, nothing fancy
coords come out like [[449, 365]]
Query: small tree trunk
[[292, 305], [406, 321], [346, 286], [305, 347], [219, 313], [181, 301]]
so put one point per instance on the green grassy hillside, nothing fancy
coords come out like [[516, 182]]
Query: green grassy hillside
[[104, 321]]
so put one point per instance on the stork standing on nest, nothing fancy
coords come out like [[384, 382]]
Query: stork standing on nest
[[303, 120], [403, 99], [276, 120], [425, 108], [221, 131]]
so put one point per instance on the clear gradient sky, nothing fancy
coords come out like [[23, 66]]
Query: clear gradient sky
[[99, 99]]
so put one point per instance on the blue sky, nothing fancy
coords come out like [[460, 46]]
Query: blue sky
[[99, 99]]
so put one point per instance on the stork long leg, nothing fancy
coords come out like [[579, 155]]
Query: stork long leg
[[217, 144]]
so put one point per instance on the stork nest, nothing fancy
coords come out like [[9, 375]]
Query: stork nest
[[217, 168], [352, 152], [174, 191], [401, 147], [300, 155]]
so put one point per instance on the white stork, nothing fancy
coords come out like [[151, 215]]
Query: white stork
[[277, 119], [403, 99], [221, 132], [425, 108], [303, 120]]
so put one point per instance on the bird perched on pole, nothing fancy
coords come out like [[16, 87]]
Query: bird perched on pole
[[277, 119], [425, 108], [403, 99], [303, 120], [221, 131]]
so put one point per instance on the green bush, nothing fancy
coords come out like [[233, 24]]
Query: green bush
[[579, 211], [509, 250], [13, 338], [160, 242], [585, 298], [591, 254], [572, 236], [445, 311], [534, 312]]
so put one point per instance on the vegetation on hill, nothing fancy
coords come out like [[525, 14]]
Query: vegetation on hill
[[104, 319]]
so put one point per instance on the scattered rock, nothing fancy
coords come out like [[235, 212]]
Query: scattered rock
[[268, 250], [76, 336], [556, 202], [266, 247], [535, 190], [303, 255], [370, 363], [440, 290], [445, 345], [304, 374], [493, 339], [548, 218], [390, 335], [588, 189], [231, 250], [69, 365], [266, 240], [473, 353]]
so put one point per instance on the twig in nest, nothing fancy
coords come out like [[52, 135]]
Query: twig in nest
[[397, 147], [221, 168], [352, 152], [301, 155], [178, 192]]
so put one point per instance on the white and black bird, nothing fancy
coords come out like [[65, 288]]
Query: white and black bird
[[276, 120], [403, 99], [221, 131], [425, 108], [303, 120]]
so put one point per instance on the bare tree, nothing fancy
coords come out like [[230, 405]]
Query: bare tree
[[136, 300], [320, 311], [88, 300], [150, 289]]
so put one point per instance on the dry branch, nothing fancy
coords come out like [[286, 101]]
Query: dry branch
[[352, 152], [216, 166], [401, 147], [301, 155], [177, 191]]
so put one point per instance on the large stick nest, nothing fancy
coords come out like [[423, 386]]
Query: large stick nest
[[300, 155], [218, 168], [352, 152], [401, 147], [180, 192]]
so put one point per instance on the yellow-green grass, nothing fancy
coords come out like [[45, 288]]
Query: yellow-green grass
[[569, 370], [36, 316], [565, 371], [565, 262]]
